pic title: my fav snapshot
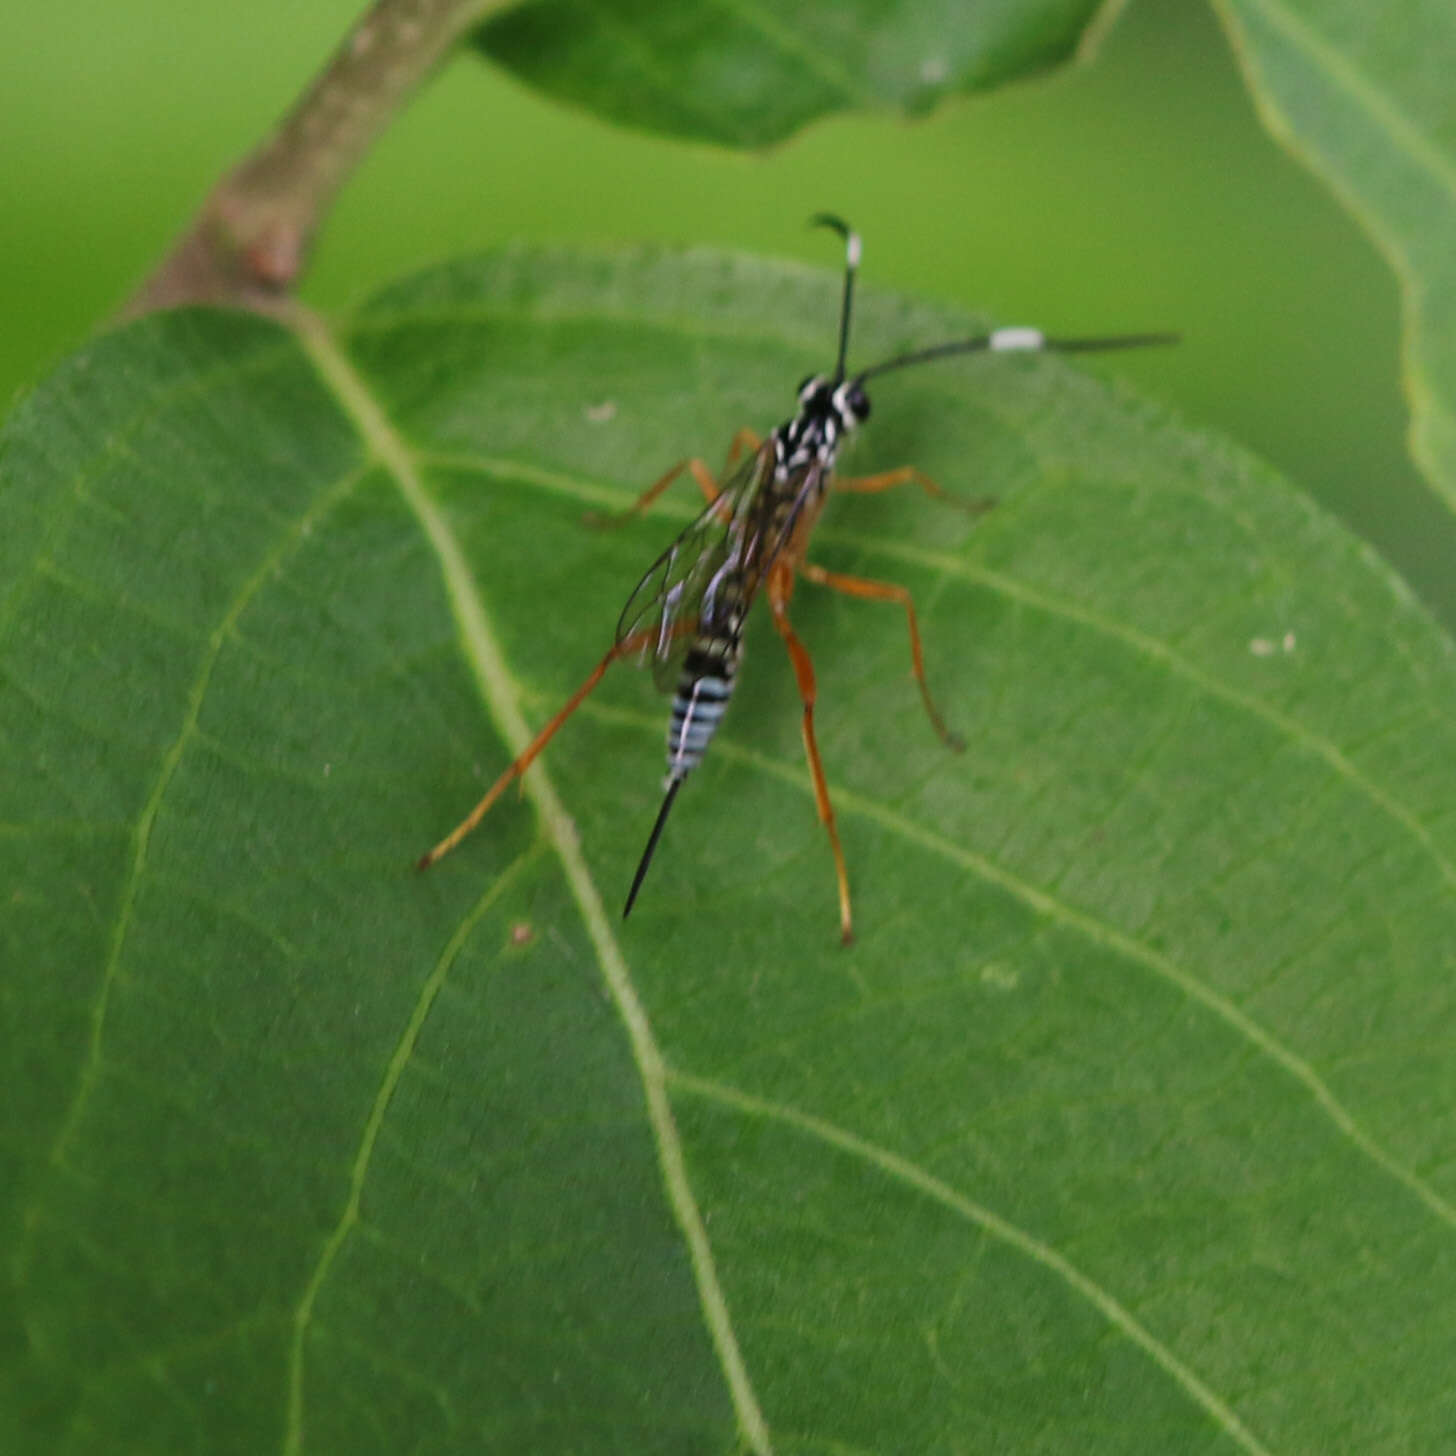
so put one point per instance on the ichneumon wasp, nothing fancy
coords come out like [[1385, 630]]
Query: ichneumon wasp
[[686, 615]]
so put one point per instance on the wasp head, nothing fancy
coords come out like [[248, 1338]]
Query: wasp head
[[845, 404]]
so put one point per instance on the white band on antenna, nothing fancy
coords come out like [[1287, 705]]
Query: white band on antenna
[[1018, 339]]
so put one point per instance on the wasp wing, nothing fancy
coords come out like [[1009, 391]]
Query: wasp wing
[[806, 485], [667, 606]]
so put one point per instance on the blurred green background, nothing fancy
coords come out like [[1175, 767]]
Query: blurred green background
[[1137, 192]]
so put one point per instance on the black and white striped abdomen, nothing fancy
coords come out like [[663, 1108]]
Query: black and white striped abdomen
[[698, 705]]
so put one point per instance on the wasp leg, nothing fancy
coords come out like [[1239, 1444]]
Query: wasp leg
[[700, 473], [744, 439], [909, 475], [624, 648], [885, 591], [804, 672]]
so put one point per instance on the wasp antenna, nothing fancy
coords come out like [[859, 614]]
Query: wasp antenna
[[1017, 340], [673, 785], [851, 265]]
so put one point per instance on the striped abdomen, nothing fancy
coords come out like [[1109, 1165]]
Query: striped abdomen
[[701, 699]]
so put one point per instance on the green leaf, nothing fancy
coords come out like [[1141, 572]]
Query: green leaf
[[1125, 1126], [1362, 94], [746, 75]]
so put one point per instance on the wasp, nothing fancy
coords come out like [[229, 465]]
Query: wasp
[[686, 616]]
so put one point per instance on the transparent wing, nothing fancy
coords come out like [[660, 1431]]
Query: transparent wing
[[666, 606]]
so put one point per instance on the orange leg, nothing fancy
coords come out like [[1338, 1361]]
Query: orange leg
[[700, 472], [908, 475], [885, 591], [744, 439], [804, 672], [624, 648]]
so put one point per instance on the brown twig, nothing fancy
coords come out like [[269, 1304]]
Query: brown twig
[[250, 243]]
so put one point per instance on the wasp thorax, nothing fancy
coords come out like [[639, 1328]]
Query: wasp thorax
[[815, 395]]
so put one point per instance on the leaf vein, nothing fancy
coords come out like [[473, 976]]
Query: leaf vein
[[903, 1170], [141, 839], [224, 376], [359, 1172], [1100, 933], [660, 75], [1151, 647], [1376, 103], [801, 53]]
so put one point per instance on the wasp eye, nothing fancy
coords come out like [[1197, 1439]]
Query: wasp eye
[[807, 384], [858, 402]]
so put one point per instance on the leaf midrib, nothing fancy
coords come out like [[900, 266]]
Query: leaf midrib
[[501, 696]]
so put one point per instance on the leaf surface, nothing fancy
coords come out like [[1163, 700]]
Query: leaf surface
[[748, 74], [1126, 1124], [1363, 94]]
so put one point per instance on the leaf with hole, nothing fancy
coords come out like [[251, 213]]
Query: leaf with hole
[[1126, 1125]]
